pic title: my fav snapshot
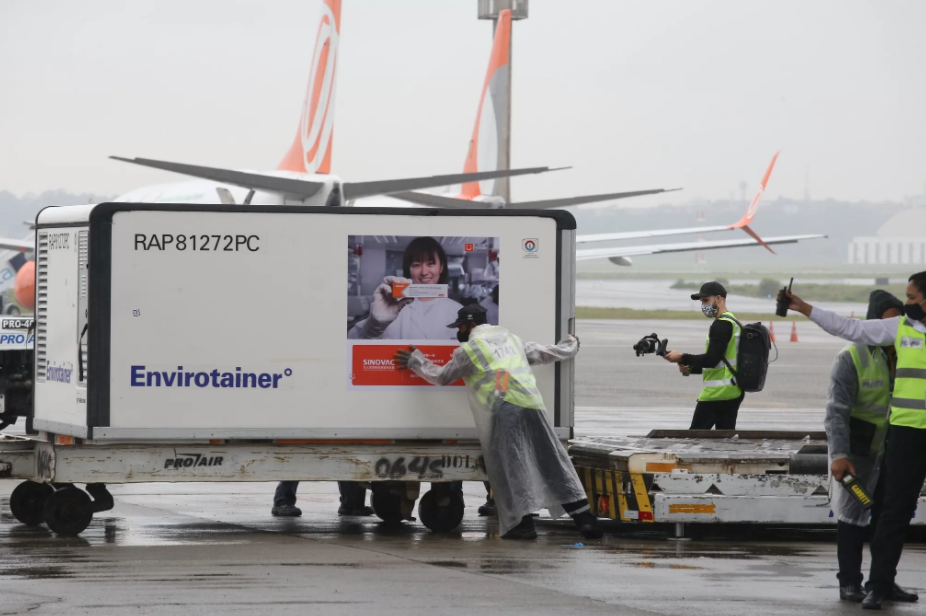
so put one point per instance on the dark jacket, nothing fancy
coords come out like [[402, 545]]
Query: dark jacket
[[718, 339]]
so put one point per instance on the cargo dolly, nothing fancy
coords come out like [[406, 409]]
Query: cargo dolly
[[710, 477], [53, 464]]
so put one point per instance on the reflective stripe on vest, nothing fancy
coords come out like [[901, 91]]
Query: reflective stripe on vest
[[503, 373], [718, 381], [908, 407], [873, 401]]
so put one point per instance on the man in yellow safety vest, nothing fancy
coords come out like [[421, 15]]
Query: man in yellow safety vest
[[857, 410], [720, 398], [905, 456], [527, 465]]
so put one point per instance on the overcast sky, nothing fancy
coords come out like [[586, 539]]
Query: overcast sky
[[633, 95]]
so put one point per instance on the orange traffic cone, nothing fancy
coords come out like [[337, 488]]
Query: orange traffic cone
[[771, 330], [794, 331], [852, 316]]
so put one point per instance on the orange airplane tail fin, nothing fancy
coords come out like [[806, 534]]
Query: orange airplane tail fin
[[747, 218], [754, 205], [311, 149], [485, 147]]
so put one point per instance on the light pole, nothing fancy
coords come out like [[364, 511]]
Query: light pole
[[489, 9]]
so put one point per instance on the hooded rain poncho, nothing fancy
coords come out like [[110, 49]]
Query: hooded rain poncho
[[528, 467]]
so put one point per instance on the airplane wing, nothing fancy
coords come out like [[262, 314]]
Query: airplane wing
[[635, 235], [742, 223], [455, 203], [8, 243], [306, 188], [253, 181], [620, 254], [358, 190]]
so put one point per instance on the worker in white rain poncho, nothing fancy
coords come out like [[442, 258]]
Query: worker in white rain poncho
[[527, 465]]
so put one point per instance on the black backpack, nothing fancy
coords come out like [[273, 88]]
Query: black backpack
[[751, 357]]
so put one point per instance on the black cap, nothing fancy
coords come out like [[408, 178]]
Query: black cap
[[879, 302], [474, 313], [710, 288]]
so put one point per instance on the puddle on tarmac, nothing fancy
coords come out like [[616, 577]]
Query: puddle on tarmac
[[36, 573], [351, 565], [452, 564], [652, 565], [509, 566], [656, 550], [494, 566], [164, 533]]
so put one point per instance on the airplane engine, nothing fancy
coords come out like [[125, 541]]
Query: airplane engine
[[492, 202], [625, 261], [25, 285]]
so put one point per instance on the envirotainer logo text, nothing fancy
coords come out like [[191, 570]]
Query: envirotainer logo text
[[216, 378], [58, 374]]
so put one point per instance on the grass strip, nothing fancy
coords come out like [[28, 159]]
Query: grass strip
[[586, 312]]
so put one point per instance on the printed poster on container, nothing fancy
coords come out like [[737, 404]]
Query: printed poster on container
[[406, 290]]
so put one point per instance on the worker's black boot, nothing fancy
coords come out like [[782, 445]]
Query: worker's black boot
[[353, 500], [286, 511], [489, 509], [588, 525], [873, 601], [524, 530], [902, 596], [358, 511], [853, 592]]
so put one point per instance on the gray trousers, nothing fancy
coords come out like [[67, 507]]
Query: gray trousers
[[352, 495]]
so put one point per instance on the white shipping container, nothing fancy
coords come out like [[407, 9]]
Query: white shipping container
[[170, 321]]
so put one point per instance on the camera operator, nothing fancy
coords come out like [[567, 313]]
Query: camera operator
[[720, 398]]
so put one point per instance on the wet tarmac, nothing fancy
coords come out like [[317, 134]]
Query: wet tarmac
[[210, 549], [215, 549]]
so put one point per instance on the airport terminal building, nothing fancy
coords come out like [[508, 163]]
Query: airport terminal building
[[900, 240]]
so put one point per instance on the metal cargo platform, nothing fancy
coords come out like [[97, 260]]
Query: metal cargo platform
[[710, 477]]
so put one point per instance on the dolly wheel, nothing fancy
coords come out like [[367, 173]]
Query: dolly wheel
[[387, 506], [441, 512], [68, 511], [27, 502]]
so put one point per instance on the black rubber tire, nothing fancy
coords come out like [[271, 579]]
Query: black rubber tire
[[68, 511], [440, 519], [387, 506], [27, 502]]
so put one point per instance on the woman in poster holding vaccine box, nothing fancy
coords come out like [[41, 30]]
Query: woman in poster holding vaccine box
[[423, 318]]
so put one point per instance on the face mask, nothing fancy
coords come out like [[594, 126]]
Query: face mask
[[709, 310], [914, 311], [463, 336]]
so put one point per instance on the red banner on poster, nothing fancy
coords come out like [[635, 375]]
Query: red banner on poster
[[372, 365]]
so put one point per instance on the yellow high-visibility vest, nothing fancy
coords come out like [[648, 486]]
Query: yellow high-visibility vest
[[718, 381], [503, 373], [908, 406]]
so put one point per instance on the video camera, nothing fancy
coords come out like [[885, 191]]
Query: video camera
[[651, 344]]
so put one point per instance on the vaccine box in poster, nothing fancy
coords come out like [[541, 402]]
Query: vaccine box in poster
[[199, 321]]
